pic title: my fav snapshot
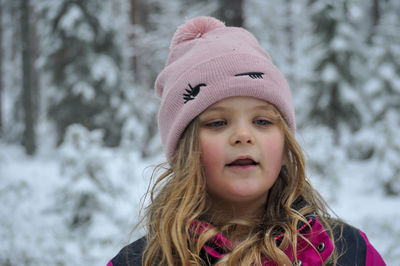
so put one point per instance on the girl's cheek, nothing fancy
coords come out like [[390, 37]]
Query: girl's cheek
[[211, 150]]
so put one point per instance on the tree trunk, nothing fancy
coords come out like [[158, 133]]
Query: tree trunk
[[139, 14], [231, 12], [376, 13], [1, 71], [132, 16], [28, 140], [289, 36], [375, 17], [36, 95]]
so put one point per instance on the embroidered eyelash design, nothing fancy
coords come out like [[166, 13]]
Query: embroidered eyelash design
[[192, 92], [253, 75]]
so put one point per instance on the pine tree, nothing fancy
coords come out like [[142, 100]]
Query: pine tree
[[155, 26], [285, 32], [83, 61], [335, 87], [378, 141], [288, 31], [85, 198]]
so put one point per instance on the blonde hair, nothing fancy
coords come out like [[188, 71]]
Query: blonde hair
[[179, 197]]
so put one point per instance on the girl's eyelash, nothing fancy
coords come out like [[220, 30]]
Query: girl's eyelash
[[262, 122], [220, 123], [216, 123]]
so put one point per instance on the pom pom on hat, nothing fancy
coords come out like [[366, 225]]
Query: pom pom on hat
[[194, 28]]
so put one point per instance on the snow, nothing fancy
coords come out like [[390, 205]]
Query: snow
[[81, 201], [329, 74], [71, 18], [362, 205], [339, 44], [84, 89], [352, 188], [29, 185], [104, 67], [355, 11], [396, 84], [32, 224], [85, 32], [373, 86], [387, 71], [25, 228]]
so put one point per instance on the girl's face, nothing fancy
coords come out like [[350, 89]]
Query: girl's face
[[241, 150]]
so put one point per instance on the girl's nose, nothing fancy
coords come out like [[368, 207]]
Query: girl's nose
[[242, 135]]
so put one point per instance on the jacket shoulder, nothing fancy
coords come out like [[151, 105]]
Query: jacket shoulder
[[130, 255], [353, 246], [349, 244]]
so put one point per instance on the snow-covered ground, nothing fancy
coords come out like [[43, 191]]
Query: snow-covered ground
[[374, 213], [361, 203], [32, 233]]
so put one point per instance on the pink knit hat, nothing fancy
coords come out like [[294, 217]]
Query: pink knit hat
[[209, 62]]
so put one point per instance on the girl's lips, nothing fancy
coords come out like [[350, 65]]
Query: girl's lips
[[243, 160], [242, 167], [243, 163]]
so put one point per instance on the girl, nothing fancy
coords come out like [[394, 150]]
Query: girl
[[234, 191]]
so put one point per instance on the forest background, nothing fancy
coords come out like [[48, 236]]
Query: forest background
[[78, 114]]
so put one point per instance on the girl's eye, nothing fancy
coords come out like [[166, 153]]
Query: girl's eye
[[216, 124], [262, 122]]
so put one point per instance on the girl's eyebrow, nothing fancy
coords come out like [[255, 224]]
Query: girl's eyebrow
[[264, 107], [268, 108], [216, 109]]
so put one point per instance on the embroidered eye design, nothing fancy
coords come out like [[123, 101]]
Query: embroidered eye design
[[192, 92], [253, 75]]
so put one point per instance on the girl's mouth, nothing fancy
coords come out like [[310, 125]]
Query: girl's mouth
[[242, 164]]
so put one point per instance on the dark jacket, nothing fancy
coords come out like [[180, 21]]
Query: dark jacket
[[353, 248]]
